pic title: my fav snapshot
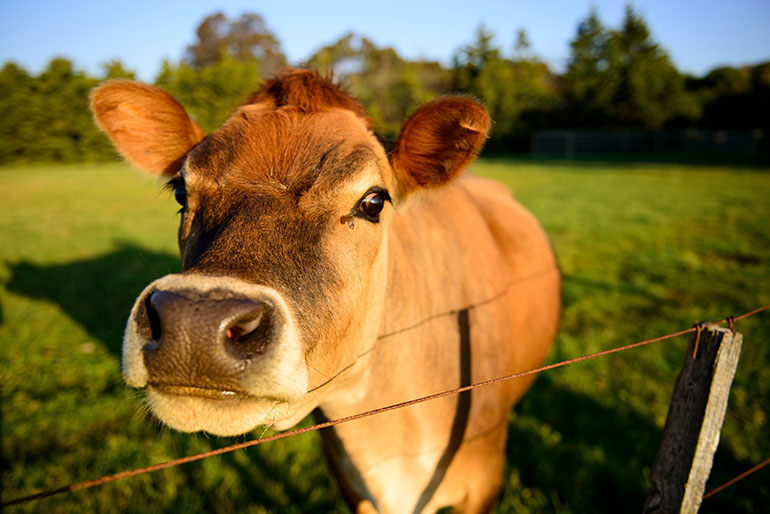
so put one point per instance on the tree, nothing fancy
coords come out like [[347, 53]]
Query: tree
[[47, 118], [17, 110], [734, 98], [246, 39], [590, 81], [515, 91], [652, 90], [65, 129], [339, 59], [522, 47], [480, 70], [622, 77], [388, 86], [210, 93], [114, 69]]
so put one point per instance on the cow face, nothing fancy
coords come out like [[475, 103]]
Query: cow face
[[285, 216]]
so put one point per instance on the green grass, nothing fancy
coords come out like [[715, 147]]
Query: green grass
[[645, 250]]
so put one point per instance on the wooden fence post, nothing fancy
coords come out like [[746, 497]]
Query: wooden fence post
[[694, 422]]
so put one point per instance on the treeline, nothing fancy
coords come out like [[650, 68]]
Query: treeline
[[615, 78]]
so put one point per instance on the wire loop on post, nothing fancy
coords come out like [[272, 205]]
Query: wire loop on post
[[698, 330]]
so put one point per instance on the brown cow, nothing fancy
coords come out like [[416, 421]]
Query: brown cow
[[322, 273]]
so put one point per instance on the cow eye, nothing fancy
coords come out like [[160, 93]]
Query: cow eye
[[371, 205], [180, 194], [176, 184]]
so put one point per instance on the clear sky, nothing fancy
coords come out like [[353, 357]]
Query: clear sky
[[698, 34]]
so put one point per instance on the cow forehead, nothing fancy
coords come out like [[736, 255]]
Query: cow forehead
[[285, 149]]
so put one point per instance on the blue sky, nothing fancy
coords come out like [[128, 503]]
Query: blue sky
[[698, 34]]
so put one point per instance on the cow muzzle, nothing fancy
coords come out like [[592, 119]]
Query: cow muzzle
[[215, 353]]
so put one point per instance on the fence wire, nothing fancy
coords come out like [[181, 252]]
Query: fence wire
[[254, 442]]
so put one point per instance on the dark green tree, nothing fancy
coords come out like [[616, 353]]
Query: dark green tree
[[480, 70], [47, 118], [623, 78], [513, 90], [590, 81], [17, 110], [652, 90], [734, 98]]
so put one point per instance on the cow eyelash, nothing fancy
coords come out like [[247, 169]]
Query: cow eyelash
[[173, 181], [177, 185]]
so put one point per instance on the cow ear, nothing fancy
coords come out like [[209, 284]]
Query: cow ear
[[438, 141], [146, 124]]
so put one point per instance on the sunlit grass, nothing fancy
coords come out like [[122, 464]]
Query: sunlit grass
[[644, 249]]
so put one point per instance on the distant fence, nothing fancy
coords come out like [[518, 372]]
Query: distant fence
[[574, 143]]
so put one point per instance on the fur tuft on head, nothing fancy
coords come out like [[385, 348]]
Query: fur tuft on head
[[305, 90]]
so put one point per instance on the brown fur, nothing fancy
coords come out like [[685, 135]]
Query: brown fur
[[438, 141], [367, 309], [149, 127], [305, 90]]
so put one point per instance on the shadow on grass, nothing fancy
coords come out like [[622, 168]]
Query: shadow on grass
[[592, 455], [97, 293], [288, 476], [596, 457]]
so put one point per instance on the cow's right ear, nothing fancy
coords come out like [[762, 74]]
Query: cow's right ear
[[146, 124]]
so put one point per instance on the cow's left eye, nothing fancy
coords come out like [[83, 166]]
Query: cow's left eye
[[371, 205]]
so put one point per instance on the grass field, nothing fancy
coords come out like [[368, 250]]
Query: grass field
[[645, 250]]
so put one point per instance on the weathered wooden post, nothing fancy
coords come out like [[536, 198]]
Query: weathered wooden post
[[695, 415]]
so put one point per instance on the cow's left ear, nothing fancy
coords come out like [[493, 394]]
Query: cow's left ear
[[438, 141]]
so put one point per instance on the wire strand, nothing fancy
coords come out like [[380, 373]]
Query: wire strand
[[738, 478], [254, 442]]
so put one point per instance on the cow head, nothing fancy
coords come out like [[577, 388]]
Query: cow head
[[285, 213]]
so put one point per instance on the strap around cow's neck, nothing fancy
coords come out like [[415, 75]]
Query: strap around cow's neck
[[462, 413]]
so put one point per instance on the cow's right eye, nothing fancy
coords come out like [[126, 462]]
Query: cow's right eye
[[180, 194], [176, 184]]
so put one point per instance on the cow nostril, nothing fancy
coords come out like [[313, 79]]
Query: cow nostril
[[248, 336], [235, 333], [153, 318]]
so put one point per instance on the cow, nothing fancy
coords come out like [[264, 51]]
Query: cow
[[325, 271]]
